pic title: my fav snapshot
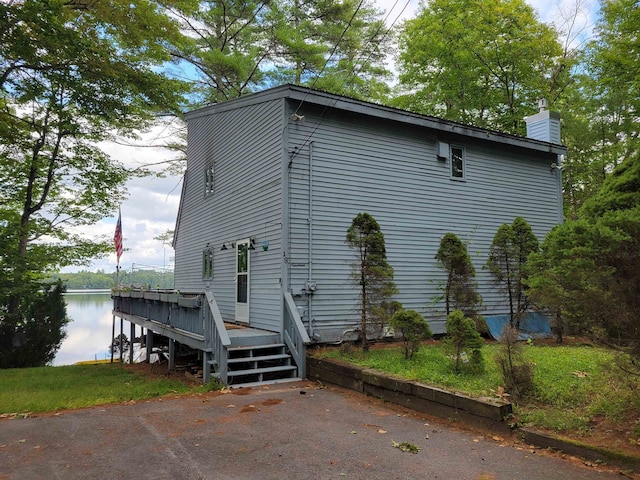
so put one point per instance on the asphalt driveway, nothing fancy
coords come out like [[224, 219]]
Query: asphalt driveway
[[286, 431]]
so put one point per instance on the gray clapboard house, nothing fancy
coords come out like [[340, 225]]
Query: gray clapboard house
[[274, 180]]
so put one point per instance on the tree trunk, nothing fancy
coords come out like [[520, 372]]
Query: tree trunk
[[363, 313]]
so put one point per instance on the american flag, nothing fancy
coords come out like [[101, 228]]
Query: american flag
[[117, 237]]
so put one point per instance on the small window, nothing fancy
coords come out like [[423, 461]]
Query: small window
[[457, 163], [208, 181], [207, 264]]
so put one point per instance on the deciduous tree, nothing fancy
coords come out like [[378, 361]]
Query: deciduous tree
[[600, 112], [72, 74], [483, 62]]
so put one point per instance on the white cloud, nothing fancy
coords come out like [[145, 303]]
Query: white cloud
[[151, 206]]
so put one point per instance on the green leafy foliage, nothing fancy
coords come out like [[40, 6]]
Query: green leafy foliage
[[462, 337], [405, 446], [227, 44], [574, 385], [84, 279], [31, 336], [370, 272], [238, 47], [600, 108], [339, 47], [414, 329], [508, 254], [483, 62], [70, 78], [589, 268]]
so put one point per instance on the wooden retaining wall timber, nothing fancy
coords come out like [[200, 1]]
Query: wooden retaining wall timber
[[489, 413], [484, 412]]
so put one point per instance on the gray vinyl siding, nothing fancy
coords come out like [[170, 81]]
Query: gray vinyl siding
[[546, 131], [391, 171], [366, 158], [246, 146]]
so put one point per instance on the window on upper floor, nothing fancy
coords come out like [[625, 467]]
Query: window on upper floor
[[209, 178], [457, 161], [207, 264]]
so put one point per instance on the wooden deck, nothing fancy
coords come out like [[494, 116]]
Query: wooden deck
[[234, 353]]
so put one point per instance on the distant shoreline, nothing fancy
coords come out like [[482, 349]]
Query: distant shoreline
[[88, 291]]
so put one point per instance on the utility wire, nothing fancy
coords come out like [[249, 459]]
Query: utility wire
[[353, 74], [333, 51]]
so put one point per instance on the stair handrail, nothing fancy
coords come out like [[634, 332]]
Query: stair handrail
[[219, 337], [295, 335]]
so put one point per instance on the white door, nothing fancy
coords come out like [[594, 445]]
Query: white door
[[242, 281]]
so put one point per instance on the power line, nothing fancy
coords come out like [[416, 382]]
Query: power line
[[333, 51], [354, 72]]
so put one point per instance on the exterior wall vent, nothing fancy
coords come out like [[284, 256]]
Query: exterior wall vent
[[443, 151]]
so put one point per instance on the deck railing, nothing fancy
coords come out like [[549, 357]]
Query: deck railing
[[179, 311], [216, 338], [294, 333]]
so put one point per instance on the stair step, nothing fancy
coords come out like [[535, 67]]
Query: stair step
[[249, 337], [261, 358], [269, 382], [256, 371], [244, 348]]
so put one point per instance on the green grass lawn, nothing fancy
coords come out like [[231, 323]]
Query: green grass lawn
[[57, 388], [573, 384]]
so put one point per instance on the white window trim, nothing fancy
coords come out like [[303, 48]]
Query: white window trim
[[207, 264], [209, 180]]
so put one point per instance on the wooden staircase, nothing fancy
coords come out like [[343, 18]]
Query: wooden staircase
[[256, 357], [259, 364]]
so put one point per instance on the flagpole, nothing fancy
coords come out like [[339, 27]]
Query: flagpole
[[117, 238]]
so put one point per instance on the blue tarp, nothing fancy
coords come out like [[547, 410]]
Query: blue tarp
[[532, 325]]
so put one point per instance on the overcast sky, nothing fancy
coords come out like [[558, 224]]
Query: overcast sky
[[152, 205]]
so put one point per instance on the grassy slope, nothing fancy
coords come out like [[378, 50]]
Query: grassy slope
[[574, 385], [57, 388]]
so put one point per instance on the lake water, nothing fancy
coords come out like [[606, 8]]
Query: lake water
[[89, 332]]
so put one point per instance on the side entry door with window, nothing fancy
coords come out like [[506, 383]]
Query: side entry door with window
[[242, 281]]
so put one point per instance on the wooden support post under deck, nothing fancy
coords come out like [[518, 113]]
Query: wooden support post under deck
[[172, 355], [206, 367], [113, 334], [121, 346], [133, 336], [149, 344]]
